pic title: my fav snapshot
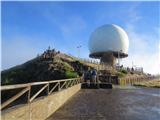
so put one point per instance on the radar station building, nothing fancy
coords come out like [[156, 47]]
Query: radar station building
[[107, 43]]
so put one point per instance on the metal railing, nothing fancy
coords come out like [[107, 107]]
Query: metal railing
[[50, 86], [86, 60]]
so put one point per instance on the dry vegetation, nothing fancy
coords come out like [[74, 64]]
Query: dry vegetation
[[151, 83]]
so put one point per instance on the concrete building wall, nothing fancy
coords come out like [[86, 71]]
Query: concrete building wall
[[40, 108], [108, 59]]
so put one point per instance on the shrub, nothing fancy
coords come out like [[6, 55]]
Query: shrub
[[71, 74], [120, 74], [123, 71], [63, 65]]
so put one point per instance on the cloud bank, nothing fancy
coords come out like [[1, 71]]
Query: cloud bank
[[143, 51]]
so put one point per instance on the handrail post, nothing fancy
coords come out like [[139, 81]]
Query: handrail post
[[72, 83], [59, 86], [29, 93], [48, 89], [68, 83], [76, 81]]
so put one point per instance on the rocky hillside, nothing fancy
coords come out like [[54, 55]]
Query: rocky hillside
[[51, 65]]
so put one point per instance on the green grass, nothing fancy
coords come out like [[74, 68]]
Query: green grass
[[123, 71], [71, 74], [120, 74]]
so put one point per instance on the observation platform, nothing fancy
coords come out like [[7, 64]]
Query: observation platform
[[110, 104], [70, 99]]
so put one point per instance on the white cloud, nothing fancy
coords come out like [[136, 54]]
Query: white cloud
[[143, 51], [143, 48], [149, 62]]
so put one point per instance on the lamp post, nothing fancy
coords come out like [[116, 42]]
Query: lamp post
[[78, 50]]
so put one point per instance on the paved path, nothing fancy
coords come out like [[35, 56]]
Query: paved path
[[111, 104]]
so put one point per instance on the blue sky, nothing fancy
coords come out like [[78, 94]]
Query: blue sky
[[28, 28]]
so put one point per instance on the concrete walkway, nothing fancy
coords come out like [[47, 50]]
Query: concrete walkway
[[111, 104]]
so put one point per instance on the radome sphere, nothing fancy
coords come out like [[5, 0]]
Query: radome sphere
[[109, 37]]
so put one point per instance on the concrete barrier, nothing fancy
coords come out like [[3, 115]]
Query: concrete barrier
[[40, 108]]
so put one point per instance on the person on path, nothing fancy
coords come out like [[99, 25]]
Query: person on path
[[94, 76]]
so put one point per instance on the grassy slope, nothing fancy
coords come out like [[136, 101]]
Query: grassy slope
[[61, 67], [37, 69]]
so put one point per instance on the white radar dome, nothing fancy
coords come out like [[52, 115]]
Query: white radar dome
[[109, 38]]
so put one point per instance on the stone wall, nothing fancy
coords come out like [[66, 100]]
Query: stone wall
[[40, 108]]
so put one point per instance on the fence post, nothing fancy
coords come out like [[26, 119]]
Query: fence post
[[59, 86], [29, 93], [48, 89]]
